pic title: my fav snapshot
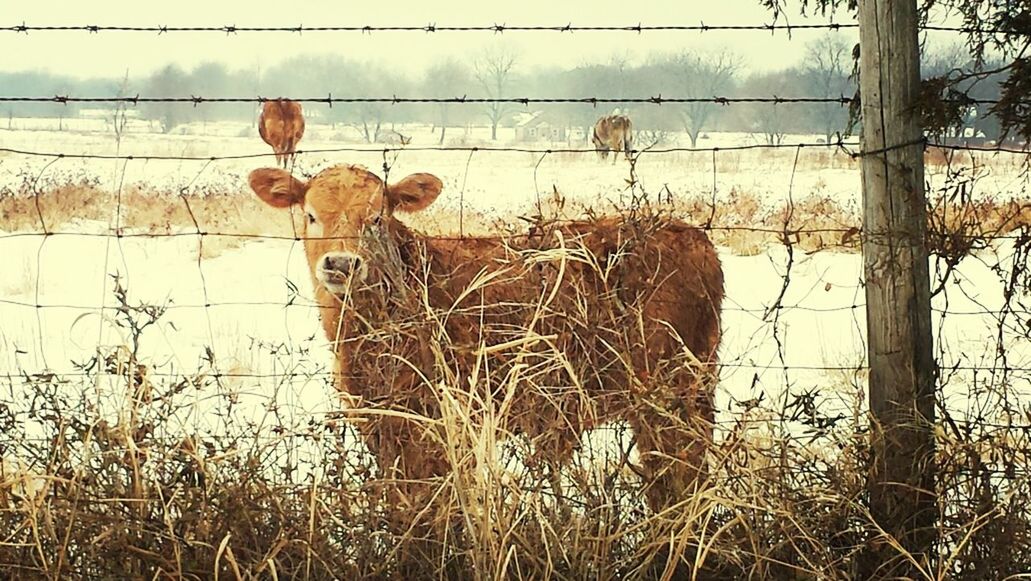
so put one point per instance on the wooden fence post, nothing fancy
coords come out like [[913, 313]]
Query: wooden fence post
[[902, 380]]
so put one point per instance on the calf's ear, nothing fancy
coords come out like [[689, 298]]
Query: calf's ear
[[277, 188], [414, 193]]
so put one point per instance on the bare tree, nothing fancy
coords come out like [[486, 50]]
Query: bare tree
[[619, 65], [446, 79], [827, 62], [939, 63], [773, 121], [212, 79], [702, 76], [369, 118], [169, 81], [941, 59], [582, 81], [374, 121], [119, 116], [493, 72]]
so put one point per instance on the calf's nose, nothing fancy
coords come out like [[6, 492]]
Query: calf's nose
[[341, 263]]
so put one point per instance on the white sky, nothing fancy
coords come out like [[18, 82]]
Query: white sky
[[108, 54]]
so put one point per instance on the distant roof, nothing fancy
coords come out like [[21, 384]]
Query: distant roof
[[535, 119], [524, 118]]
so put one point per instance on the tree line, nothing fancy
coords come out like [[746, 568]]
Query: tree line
[[824, 71]]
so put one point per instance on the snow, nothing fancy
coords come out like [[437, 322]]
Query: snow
[[241, 303]]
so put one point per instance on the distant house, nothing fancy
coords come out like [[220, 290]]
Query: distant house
[[539, 126]]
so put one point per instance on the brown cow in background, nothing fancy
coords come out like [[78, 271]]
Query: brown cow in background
[[281, 125], [631, 307], [613, 132]]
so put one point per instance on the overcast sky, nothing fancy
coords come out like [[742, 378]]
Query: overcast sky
[[108, 54]]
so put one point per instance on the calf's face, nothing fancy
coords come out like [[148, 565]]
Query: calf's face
[[338, 207]]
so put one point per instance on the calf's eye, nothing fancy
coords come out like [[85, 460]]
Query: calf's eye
[[311, 218]]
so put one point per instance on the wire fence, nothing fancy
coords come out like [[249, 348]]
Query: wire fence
[[395, 100], [497, 28], [795, 245], [787, 235]]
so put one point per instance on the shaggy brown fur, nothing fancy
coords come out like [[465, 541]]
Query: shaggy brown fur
[[613, 132], [281, 125], [616, 320]]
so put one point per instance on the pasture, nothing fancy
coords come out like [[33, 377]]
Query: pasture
[[166, 381]]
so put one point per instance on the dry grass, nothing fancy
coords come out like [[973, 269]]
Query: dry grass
[[116, 488], [134, 497], [109, 484], [742, 221], [731, 161], [229, 218], [747, 226], [127, 494]]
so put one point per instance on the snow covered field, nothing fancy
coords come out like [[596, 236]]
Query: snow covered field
[[251, 304]]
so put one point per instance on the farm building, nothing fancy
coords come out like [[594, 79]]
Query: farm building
[[540, 126]]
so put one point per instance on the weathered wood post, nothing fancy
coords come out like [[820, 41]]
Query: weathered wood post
[[902, 367]]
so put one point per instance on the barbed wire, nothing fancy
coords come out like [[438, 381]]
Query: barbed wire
[[395, 100], [330, 100], [497, 28]]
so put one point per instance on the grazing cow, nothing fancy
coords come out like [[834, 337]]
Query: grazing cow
[[604, 320], [281, 125], [615, 133]]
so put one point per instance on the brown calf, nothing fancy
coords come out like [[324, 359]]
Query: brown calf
[[614, 320], [281, 125]]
